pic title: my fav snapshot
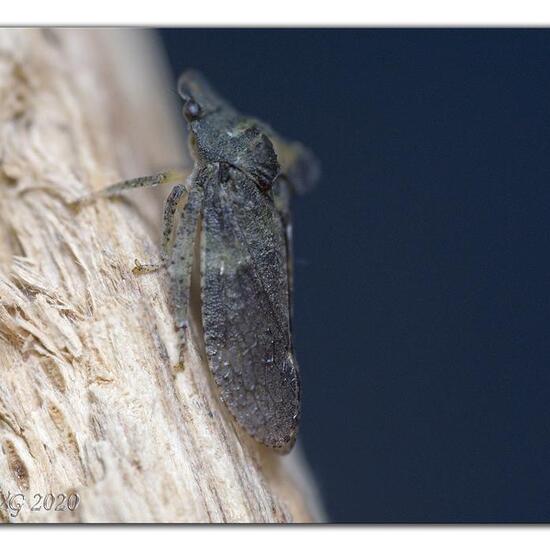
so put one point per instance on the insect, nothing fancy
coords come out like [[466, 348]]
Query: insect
[[235, 204]]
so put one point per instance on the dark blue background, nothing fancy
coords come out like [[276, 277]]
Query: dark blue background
[[422, 287]]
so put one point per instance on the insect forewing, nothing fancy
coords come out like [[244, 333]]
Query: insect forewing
[[246, 311]]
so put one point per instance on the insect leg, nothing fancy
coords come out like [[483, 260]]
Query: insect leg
[[181, 263], [169, 218], [170, 176], [171, 206]]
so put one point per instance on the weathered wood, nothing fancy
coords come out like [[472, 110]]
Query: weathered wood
[[89, 400]]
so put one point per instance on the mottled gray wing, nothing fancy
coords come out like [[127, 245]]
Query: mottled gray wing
[[281, 194], [245, 308]]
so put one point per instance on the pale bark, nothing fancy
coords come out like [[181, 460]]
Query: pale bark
[[89, 399]]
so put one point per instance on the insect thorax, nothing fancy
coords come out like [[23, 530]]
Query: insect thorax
[[217, 138]]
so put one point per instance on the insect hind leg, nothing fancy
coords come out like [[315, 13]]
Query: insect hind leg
[[180, 265]]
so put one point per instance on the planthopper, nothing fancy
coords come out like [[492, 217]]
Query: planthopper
[[235, 205]]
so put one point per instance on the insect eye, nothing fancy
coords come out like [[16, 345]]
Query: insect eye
[[192, 110]]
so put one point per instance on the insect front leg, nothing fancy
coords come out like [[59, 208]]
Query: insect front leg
[[173, 202], [169, 176]]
